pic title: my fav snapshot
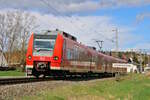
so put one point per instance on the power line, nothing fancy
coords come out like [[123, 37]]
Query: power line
[[49, 6], [76, 26], [58, 13], [100, 43], [111, 40]]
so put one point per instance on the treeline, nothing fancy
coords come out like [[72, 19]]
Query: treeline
[[136, 57]]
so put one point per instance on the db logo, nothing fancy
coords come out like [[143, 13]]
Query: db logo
[[41, 58]]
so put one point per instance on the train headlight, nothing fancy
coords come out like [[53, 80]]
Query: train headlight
[[29, 57], [56, 58]]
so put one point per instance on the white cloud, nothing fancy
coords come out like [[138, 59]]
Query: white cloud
[[70, 6], [132, 2], [145, 45], [87, 28], [140, 17]]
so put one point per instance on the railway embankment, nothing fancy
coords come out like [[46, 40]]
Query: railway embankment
[[131, 87]]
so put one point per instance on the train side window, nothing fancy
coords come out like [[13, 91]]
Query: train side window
[[76, 53], [71, 54], [68, 54]]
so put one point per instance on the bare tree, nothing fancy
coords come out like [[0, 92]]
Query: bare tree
[[15, 29], [28, 25], [3, 35]]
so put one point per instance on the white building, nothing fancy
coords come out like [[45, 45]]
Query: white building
[[131, 68]]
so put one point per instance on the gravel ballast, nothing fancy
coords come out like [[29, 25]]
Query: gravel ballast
[[18, 91], [12, 92]]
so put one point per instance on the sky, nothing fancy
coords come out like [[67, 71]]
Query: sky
[[91, 20]]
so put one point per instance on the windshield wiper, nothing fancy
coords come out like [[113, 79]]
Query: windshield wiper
[[43, 49]]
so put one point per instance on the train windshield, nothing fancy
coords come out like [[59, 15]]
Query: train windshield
[[44, 45]]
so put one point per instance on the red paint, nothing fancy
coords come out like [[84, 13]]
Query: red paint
[[57, 52], [29, 51]]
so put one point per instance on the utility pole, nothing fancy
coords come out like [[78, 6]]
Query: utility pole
[[145, 57], [141, 60], [148, 60], [116, 39], [100, 44]]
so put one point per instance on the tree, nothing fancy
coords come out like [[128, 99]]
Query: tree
[[15, 29], [135, 59], [120, 55]]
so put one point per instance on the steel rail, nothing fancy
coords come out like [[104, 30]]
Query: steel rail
[[21, 80], [11, 81]]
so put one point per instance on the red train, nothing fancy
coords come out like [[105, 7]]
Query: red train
[[59, 53]]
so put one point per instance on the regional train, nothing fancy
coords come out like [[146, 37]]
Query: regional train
[[57, 53]]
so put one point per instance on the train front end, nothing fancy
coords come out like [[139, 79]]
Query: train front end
[[44, 53]]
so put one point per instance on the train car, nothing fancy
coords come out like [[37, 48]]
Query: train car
[[58, 53]]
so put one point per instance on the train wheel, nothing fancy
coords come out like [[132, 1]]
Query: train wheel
[[44, 76], [37, 75]]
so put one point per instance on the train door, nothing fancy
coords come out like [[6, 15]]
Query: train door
[[92, 63], [103, 64], [90, 59], [64, 54]]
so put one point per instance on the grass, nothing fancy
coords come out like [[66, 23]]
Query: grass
[[132, 87], [12, 73]]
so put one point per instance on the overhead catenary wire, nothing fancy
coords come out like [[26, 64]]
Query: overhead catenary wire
[[106, 38], [59, 13], [56, 12]]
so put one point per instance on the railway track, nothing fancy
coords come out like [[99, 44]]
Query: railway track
[[20, 80], [11, 81]]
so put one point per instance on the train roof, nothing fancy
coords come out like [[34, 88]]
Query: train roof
[[55, 32], [111, 57], [104, 55], [93, 50]]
